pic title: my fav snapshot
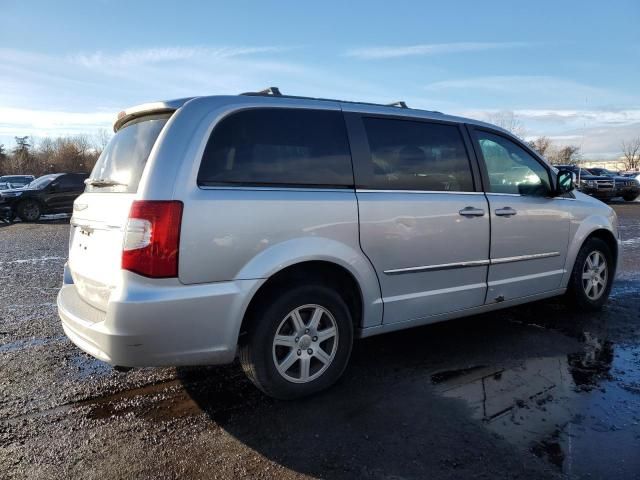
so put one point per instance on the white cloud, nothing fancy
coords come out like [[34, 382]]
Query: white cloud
[[136, 57], [380, 52], [598, 132], [526, 88], [44, 123], [598, 117]]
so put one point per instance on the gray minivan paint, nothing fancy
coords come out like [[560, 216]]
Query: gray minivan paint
[[417, 257]]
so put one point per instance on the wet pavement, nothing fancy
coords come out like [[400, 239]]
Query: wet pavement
[[530, 392]]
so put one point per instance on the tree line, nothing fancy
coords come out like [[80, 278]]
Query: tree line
[[75, 153]]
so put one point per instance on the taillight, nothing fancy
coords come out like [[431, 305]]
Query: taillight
[[152, 238]]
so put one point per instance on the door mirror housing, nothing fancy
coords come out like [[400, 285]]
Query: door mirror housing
[[565, 182]]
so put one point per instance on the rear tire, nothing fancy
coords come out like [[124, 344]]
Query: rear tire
[[592, 276], [299, 341], [29, 210]]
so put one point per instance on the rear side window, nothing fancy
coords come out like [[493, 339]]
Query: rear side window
[[122, 162], [70, 182], [278, 146], [408, 155]]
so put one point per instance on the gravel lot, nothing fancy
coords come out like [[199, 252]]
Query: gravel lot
[[530, 392]]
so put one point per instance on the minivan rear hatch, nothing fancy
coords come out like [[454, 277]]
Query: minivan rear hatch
[[100, 214]]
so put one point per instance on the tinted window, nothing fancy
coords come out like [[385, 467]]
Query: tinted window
[[71, 181], [278, 146], [407, 155], [125, 156], [511, 168]]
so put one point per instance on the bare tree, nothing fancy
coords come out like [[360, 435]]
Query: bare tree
[[78, 153], [568, 155], [631, 154], [540, 145], [509, 121], [101, 139]]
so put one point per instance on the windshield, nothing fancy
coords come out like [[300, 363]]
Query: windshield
[[43, 181], [122, 162]]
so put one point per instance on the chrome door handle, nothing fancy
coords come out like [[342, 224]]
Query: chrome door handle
[[471, 212], [505, 212]]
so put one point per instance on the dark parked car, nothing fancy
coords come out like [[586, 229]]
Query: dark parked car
[[600, 186], [8, 182], [53, 193], [625, 187]]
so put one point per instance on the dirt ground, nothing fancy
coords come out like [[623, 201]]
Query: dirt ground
[[529, 392]]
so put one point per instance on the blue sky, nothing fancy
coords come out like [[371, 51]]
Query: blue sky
[[569, 70]]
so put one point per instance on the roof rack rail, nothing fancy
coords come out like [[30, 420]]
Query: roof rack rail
[[275, 92], [272, 91], [399, 104]]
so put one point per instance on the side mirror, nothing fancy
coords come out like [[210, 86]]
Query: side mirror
[[565, 182]]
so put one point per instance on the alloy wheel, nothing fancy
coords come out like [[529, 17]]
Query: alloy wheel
[[594, 275], [305, 343]]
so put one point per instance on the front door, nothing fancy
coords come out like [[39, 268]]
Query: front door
[[423, 223], [529, 227]]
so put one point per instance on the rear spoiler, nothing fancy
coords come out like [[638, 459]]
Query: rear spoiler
[[148, 109]]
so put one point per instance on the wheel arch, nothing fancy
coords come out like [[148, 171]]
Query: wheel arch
[[320, 271], [312, 252], [600, 228]]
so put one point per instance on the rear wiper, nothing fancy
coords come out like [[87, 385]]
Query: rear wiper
[[102, 182]]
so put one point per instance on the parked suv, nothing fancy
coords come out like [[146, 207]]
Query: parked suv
[[53, 193], [598, 186], [281, 228], [625, 187]]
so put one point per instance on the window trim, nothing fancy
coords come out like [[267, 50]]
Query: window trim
[[512, 138], [361, 152], [271, 186]]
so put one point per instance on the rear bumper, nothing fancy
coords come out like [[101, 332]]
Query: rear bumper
[[161, 323]]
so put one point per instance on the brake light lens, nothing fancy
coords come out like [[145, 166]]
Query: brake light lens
[[152, 238]]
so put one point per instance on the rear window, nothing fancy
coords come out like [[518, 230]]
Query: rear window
[[122, 162], [278, 146], [410, 155]]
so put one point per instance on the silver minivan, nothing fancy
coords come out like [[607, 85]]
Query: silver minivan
[[279, 229]]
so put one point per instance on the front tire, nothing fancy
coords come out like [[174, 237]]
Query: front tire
[[592, 276], [29, 210], [299, 343], [630, 197]]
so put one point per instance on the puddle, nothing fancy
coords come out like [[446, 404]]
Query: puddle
[[572, 410]]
